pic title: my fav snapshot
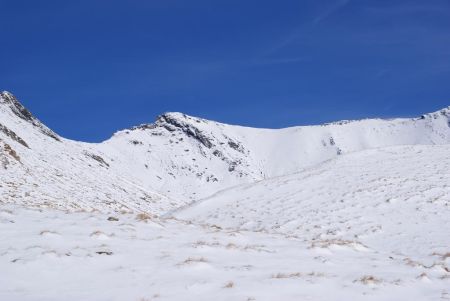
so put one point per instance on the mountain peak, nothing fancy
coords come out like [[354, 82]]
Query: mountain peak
[[174, 117], [6, 94], [445, 111], [173, 121], [8, 99], [178, 115], [17, 108], [438, 114]]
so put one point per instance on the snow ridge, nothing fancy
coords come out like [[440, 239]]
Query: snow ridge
[[225, 212], [179, 159], [20, 111]]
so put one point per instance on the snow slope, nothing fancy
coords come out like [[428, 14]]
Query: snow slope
[[178, 159], [40, 168], [369, 225], [197, 152], [48, 255], [191, 209], [395, 198]]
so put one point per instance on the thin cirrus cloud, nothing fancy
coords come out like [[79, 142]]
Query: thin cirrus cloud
[[282, 60], [295, 34], [437, 7], [329, 11]]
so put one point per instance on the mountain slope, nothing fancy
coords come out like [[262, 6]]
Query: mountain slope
[[198, 152], [178, 159], [354, 210], [387, 192], [393, 202], [39, 168], [370, 225]]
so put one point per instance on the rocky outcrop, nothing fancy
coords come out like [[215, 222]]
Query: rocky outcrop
[[20, 111], [173, 122], [97, 158], [435, 115], [9, 133]]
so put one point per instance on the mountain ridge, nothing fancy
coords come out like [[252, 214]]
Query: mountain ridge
[[178, 159], [173, 118]]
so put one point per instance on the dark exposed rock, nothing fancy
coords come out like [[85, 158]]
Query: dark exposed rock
[[172, 123], [444, 112], [211, 178], [146, 126], [135, 142], [236, 146], [17, 107], [218, 153], [97, 158], [109, 253], [233, 144], [12, 135], [169, 127], [232, 166], [341, 122], [20, 111]]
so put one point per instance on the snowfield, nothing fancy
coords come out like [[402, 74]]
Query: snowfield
[[52, 255], [191, 209]]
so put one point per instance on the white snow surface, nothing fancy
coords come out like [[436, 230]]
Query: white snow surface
[[191, 209]]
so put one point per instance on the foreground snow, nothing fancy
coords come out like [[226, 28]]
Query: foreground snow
[[50, 255], [370, 225]]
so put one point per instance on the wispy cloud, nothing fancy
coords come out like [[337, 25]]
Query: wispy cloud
[[277, 61], [296, 33], [415, 8], [283, 42], [329, 11], [382, 73]]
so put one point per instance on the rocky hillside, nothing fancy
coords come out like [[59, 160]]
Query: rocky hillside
[[178, 159]]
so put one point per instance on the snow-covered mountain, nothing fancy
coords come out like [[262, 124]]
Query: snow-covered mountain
[[178, 159], [190, 209]]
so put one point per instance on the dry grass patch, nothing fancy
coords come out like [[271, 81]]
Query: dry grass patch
[[229, 284], [297, 275], [12, 152], [327, 243], [205, 244], [48, 232], [443, 256], [287, 276], [369, 280], [144, 217], [192, 260]]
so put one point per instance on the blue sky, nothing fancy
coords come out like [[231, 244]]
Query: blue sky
[[89, 68]]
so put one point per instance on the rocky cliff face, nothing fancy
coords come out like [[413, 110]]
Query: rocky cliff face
[[178, 159], [20, 111]]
